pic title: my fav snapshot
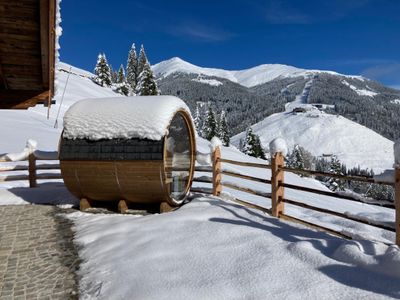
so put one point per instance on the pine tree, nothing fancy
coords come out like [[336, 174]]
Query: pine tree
[[147, 85], [142, 61], [336, 168], [210, 125], [131, 68], [114, 74], [122, 86], [295, 158], [252, 145], [223, 130], [197, 121], [102, 71], [258, 149]]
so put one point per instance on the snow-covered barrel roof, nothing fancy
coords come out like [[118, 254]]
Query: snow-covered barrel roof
[[122, 117]]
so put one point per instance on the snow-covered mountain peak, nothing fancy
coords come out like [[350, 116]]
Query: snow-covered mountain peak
[[248, 77]]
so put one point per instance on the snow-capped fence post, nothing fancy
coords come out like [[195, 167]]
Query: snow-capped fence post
[[277, 190], [32, 170], [31, 146], [278, 151], [397, 203], [216, 167]]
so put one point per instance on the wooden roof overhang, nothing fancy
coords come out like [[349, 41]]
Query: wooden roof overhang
[[27, 52]]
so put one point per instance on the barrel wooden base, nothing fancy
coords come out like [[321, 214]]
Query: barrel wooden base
[[84, 204], [165, 207], [133, 181], [122, 206]]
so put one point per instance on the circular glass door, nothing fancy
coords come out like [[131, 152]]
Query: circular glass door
[[178, 157]]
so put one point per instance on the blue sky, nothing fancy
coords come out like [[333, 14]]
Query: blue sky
[[347, 36]]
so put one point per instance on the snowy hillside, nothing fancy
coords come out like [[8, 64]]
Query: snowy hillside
[[33, 123], [249, 77], [322, 133]]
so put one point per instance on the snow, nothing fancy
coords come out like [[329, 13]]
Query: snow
[[203, 159], [370, 256], [395, 101], [122, 117], [54, 193], [278, 145], [23, 155], [248, 77], [215, 143], [58, 33], [213, 249], [322, 133], [212, 82], [302, 99], [361, 92]]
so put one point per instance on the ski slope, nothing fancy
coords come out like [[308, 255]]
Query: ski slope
[[325, 134]]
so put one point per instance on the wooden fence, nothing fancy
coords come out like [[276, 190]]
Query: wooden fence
[[278, 186], [277, 182], [30, 170]]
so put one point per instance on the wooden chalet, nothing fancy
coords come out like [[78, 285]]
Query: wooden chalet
[[27, 52]]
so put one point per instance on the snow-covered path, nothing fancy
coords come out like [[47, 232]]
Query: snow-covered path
[[212, 249], [300, 99]]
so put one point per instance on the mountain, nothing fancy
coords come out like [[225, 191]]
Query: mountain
[[251, 95], [248, 78], [326, 134]]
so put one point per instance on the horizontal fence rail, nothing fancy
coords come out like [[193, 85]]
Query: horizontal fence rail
[[332, 175], [278, 186], [335, 195], [245, 164], [32, 167]]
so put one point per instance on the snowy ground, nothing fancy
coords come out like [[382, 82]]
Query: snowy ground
[[211, 248]]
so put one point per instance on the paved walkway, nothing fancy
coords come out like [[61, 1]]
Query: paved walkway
[[37, 257]]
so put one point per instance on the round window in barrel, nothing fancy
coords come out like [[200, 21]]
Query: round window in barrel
[[178, 162]]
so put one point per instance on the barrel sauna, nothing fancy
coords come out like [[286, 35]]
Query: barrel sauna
[[136, 149]]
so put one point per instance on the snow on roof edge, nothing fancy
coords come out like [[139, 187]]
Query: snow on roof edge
[[146, 117], [58, 33]]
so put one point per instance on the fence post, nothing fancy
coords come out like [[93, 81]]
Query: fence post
[[277, 191], [216, 166], [397, 203], [32, 170]]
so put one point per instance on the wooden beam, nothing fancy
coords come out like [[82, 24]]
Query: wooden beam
[[21, 99], [44, 41], [245, 164], [3, 81]]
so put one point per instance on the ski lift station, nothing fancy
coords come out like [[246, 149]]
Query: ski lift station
[[137, 149]]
